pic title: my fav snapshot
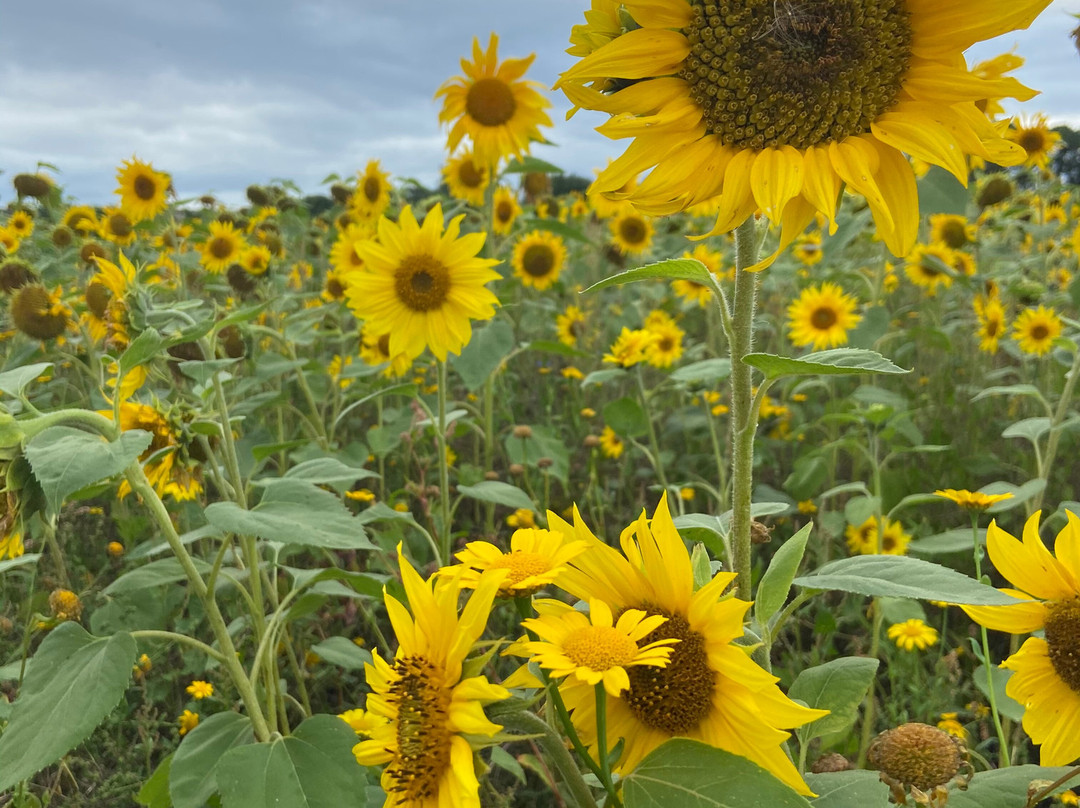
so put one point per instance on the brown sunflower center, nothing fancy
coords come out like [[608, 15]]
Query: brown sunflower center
[[954, 233], [632, 230], [221, 247], [665, 344], [490, 102], [145, 188], [795, 72], [929, 270], [823, 318], [993, 327], [1063, 640], [120, 225], [98, 296], [384, 345], [335, 288], [675, 699], [1039, 332], [504, 212], [423, 738], [538, 260], [422, 282], [372, 189], [34, 313], [1032, 141], [470, 175]]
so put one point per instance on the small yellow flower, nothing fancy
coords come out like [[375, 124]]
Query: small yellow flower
[[361, 495], [115, 549], [200, 690], [686, 494], [572, 372], [611, 444], [971, 500], [401, 507], [144, 663], [913, 634], [630, 347], [949, 724], [807, 506], [187, 721], [588, 412], [65, 605], [1069, 798], [522, 517]]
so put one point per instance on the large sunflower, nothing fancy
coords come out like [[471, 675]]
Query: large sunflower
[[1046, 678], [424, 284], [492, 106], [142, 189], [711, 690], [420, 709], [822, 316], [538, 259], [777, 105]]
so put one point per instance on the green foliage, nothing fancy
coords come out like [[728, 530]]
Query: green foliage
[[838, 686], [192, 774]]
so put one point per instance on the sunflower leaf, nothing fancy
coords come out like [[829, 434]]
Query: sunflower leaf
[[499, 493], [837, 686], [13, 382], [674, 269], [776, 582], [835, 362]]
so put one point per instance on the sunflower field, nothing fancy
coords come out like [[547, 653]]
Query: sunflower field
[[743, 474]]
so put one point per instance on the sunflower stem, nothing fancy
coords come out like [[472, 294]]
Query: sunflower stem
[[1062, 410], [445, 541], [868, 710], [602, 747], [556, 752], [1003, 741], [658, 463]]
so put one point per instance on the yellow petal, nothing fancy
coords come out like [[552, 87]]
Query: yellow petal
[[639, 54], [776, 178], [1025, 617], [821, 185]]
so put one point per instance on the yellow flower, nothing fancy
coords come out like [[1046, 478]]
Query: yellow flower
[[80, 218], [372, 195], [21, 223], [951, 230], [187, 721], [863, 540], [116, 226], [538, 259], [587, 412], [11, 543], [991, 316], [504, 211], [115, 549], [995, 68], [912, 634], [807, 506], [424, 285], [822, 316], [1037, 139], [666, 346], [808, 249], [401, 507], [142, 189], [611, 444], [764, 108], [256, 260], [630, 347], [222, 247], [343, 256], [1046, 670], [952, 726], [522, 517], [493, 106], [971, 500], [536, 558], [686, 494], [1068, 797], [571, 372], [361, 495], [1036, 329], [631, 232], [465, 179], [168, 468], [200, 690], [421, 710], [924, 267], [569, 325], [593, 648]]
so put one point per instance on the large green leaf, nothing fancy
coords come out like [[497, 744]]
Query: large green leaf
[[293, 512], [144, 348], [941, 192], [674, 269], [499, 493], [155, 791], [73, 682], [156, 573], [835, 362], [776, 582], [902, 577], [312, 768], [851, 789], [486, 349], [626, 417], [191, 777], [326, 471], [342, 652], [1007, 788], [689, 774], [706, 371], [837, 686], [20, 561], [13, 382], [65, 459]]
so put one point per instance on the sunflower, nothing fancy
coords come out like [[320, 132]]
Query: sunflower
[[424, 284], [611, 445], [39, 313], [372, 195], [570, 325], [169, 468], [465, 179], [505, 210], [222, 247], [538, 259], [1036, 329], [991, 316], [9, 241], [630, 347], [951, 230], [631, 232], [11, 544], [776, 105], [117, 227], [492, 106], [21, 223], [863, 539], [924, 267], [80, 218], [822, 316], [912, 634], [343, 256], [256, 260], [971, 500], [535, 560], [1037, 139], [375, 351], [1046, 678], [142, 189], [710, 691], [808, 249], [666, 346], [420, 708]]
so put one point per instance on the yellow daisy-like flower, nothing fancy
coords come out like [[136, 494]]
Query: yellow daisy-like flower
[[21, 223], [493, 106], [80, 218], [951, 230], [222, 248], [863, 539], [711, 690], [187, 722], [522, 517], [611, 445], [343, 255], [1046, 678], [256, 260], [466, 179], [200, 690], [538, 259], [822, 316], [951, 725], [1036, 138], [375, 350], [535, 560], [777, 106], [424, 285], [971, 500], [991, 316], [142, 189], [924, 267], [630, 347], [631, 231], [116, 226], [595, 648], [570, 325], [505, 210], [912, 634], [372, 195], [1036, 329], [666, 346], [420, 709]]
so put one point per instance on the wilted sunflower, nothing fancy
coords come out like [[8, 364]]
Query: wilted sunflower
[[14, 274], [168, 467], [821, 317], [142, 189], [1036, 329], [372, 195], [506, 210], [710, 690], [493, 106], [1037, 139], [39, 313], [424, 285], [631, 231], [776, 104], [222, 247], [538, 259], [117, 227], [466, 179]]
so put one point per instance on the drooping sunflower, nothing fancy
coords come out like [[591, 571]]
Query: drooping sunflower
[[777, 105], [506, 210], [538, 259], [924, 267], [1046, 678], [1036, 138], [372, 196], [1036, 329], [222, 247], [570, 325], [424, 285], [466, 179], [535, 560], [822, 316], [631, 231], [169, 468], [106, 298], [39, 313], [142, 189], [711, 690], [420, 708], [492, 105]]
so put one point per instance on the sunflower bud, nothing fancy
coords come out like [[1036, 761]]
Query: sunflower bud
[[35, 185], [917, 755], [65, 605], [115, 549]]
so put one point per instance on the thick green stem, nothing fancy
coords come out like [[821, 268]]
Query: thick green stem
[[1003, 742], [232, 463], [555, 751], [445, 540], [489, 446]]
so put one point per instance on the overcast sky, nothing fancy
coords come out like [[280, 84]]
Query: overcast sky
[[227, 93]]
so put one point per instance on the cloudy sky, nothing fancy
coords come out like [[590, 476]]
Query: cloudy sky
[[223, 94]]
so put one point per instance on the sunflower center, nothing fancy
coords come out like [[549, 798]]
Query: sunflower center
[[823, 318], [600, 648], [97, 298], [954, 234], [120, 225], [632, 230], [522, 565], [1039, 332], [490, 102], [538, 260], [372, 189], [675, 699], [423, 739], [335, 288], [1063, 640], [504, 212], [770, 73], [221, 247], [665, 344], [144, 187], [422, 282], [1032, 141], [384, 344], [992, 328], [888, 543], [470, 175]]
